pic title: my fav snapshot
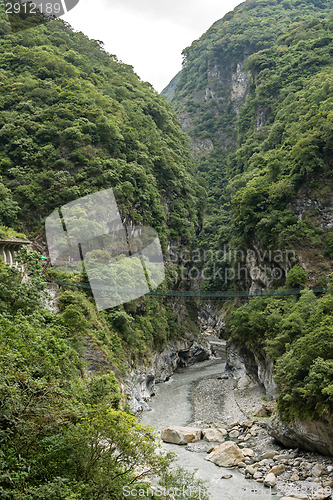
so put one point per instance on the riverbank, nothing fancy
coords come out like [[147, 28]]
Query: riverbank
[[218, 401], [205, 395], [172, 405]]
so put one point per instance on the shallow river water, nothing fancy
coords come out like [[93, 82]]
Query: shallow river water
[[172, 406]]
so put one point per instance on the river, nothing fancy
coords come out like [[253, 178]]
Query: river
[[172, 406]]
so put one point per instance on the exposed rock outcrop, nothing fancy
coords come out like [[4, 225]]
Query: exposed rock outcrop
[[310, 204], [139, 386], [210, 320], [247, 368], [240, 82], [266, 268], [309, 435], [265, 376]]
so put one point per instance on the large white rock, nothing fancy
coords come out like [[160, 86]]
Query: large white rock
[[180, 435], [212, 435], [226, 454]]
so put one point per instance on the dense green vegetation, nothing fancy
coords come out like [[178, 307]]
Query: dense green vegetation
[[287, 53], [74, 121], [293, 85], [64, 434], [256, 97], [298, 335]]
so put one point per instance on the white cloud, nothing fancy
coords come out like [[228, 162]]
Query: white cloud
[[148, 34]]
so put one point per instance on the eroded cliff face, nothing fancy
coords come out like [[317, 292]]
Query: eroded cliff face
[[139, 386], [226, 90], [240, 81], [317, 204], [267, 268], [307, 434], [312, 435], [246, 367], [211, 321]]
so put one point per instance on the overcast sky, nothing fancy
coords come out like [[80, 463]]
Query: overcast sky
[[148, 34]]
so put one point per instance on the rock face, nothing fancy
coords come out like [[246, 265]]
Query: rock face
[[310, 435], [240, 82], [247, 368], [236, 367], [227, 454], [211, 322], [307, 203], [180, 435], [266, 267], [226, 83], [139, 386], [265, 376]]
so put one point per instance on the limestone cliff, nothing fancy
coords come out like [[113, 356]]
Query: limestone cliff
[[140, 384]]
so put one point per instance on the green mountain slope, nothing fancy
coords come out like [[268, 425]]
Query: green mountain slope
[[74, 120], [232, 97]]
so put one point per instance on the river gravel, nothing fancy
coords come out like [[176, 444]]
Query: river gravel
[[217, 399], [173, 405], [203, 394]]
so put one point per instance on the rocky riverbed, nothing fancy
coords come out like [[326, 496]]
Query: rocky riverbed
[[224, 412], [228, 420]]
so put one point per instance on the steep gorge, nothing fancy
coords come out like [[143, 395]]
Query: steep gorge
[[255, 96]]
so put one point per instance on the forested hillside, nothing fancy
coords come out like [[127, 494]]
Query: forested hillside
[[234, 97], [74, 121], [256, 97]]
